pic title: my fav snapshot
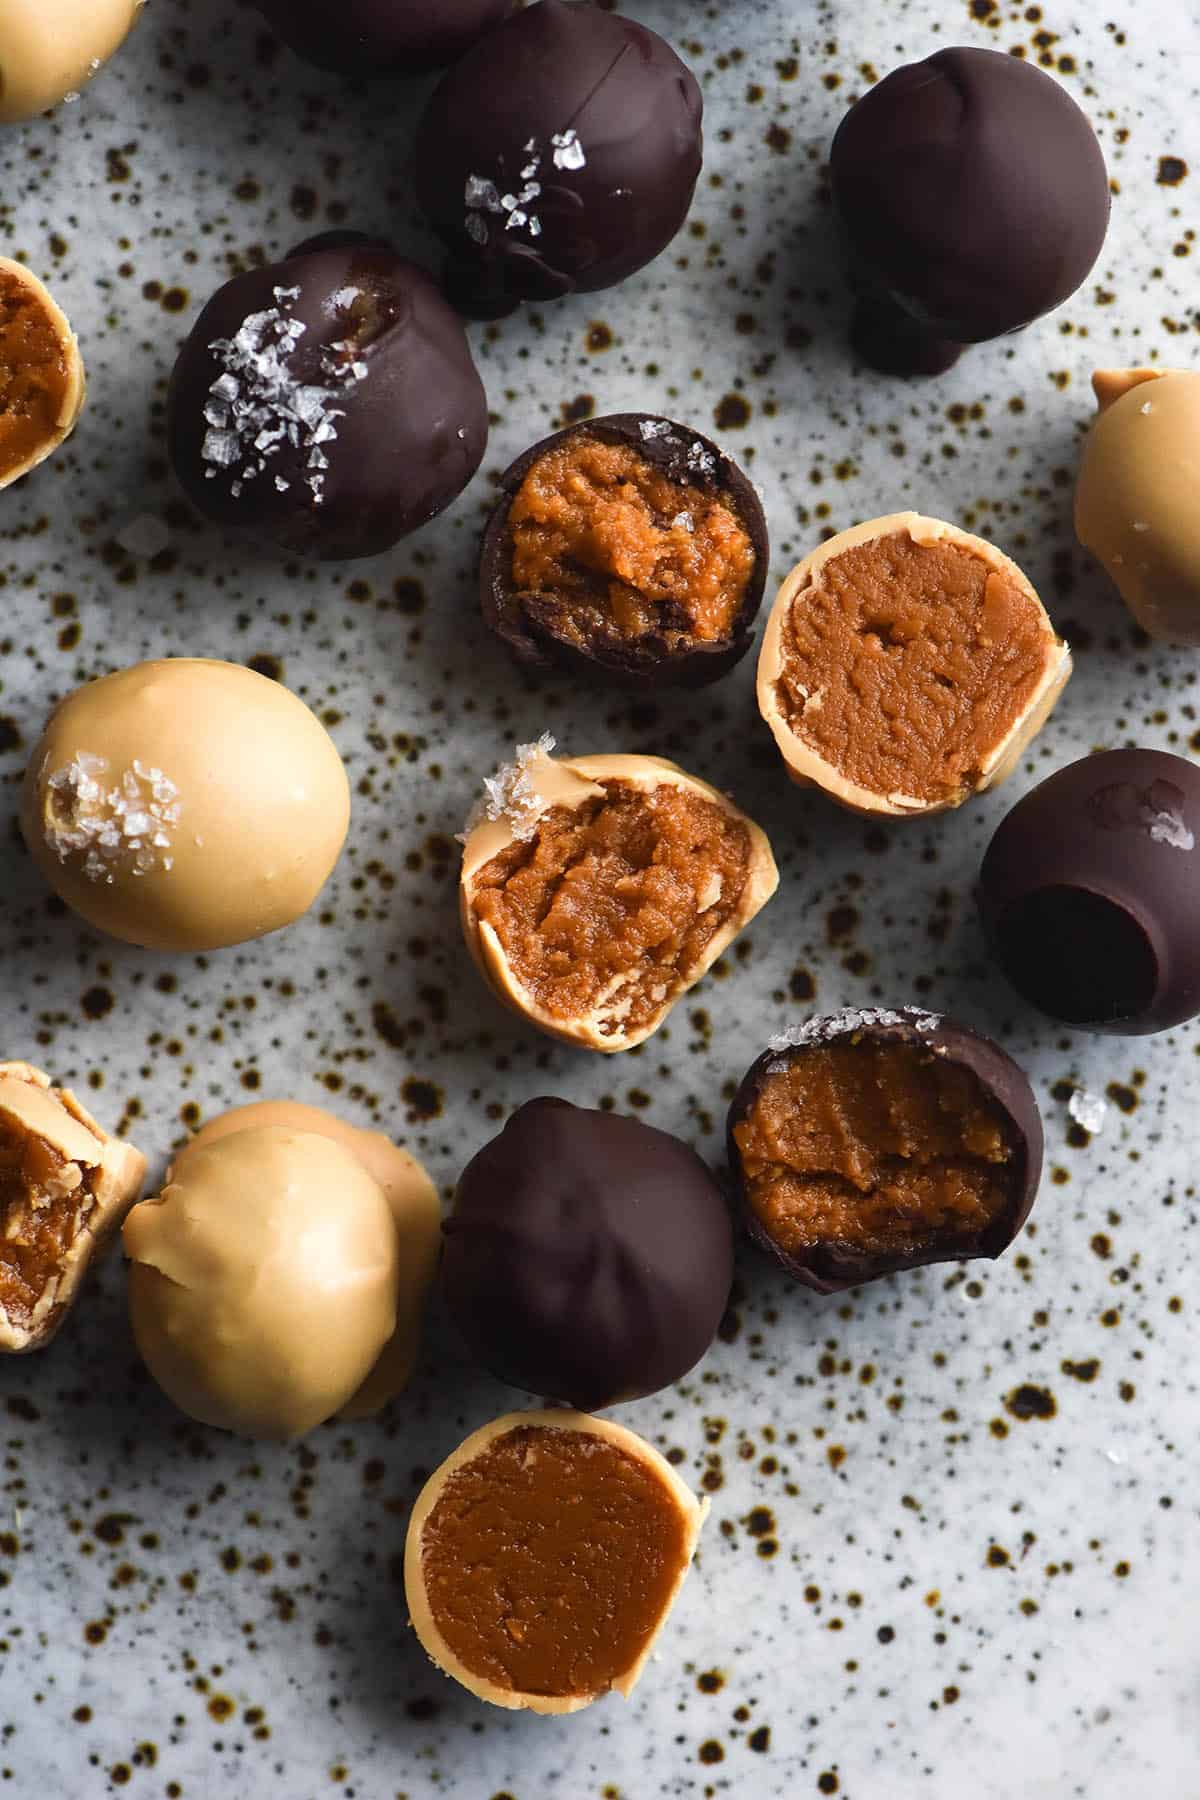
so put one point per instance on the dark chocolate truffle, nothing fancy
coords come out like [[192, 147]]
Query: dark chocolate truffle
[[588, 1257], [328, 402], [1090, 892], [382, 37], [558, 156], [873, 1141], [973, 197], [627, 548]]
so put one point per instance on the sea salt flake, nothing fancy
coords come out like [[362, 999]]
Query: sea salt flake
[[851, 1019], [1088, 1110], [481, 195], [654, 428], [511, 793], [1169, 828], [684, 521], [567, 150]]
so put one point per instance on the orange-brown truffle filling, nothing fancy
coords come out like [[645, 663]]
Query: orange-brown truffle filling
[[616, 901], [873, 1147], [34, 374], [550, 1559], [604, 545], [906, 664], [44, 1203]]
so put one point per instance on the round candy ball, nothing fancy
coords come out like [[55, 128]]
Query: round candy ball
[[973, 198], [328, 403], [50, 49], [1090, 892], [382, 37], [589, 1257], [558, 156], [263, 1281], [185, 805]]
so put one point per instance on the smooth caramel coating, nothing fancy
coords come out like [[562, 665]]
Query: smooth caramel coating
[[543, 1558], [50, 49], [41, 373]]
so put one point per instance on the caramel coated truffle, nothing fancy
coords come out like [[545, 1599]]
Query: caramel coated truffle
[[544, 1556], [50, 49], [1136, 498], [264, 1280], [65, 1186], [596, 890], [41, 373], [413, 1200], [907, 665], [185, 805]]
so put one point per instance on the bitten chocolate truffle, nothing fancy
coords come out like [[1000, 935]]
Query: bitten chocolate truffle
[[872, 1141], [1090, 892], [41, 371], [588, 1257], [907, 665], [973, 198], [382, 37], [596, 890], [558, 156], [628, 548], [543, 1558], [1136, 499], [328, 403], [50, 49]]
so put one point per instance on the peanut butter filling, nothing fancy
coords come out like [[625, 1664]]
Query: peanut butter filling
[[607, 549], [34, 374], [550, 1559], [613, 903], [905, 664], [873, 1148], [44, 1205]]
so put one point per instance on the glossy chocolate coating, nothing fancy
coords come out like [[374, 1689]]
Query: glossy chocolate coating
[[373, 416], [382, 37], [830, 1267], [683, 455], [973, 198], [1090, 892], [589, 125], [588, 1257]]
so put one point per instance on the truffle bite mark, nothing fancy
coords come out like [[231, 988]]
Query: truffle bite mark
[[41, 373]]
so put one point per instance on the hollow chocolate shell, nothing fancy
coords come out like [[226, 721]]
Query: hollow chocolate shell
[[382, 37], [596, 890], [42, 372], [588, 1257], [628, 548], [938, 172], [872, 1141], [907, 665], [1135, 500], [1090, 892], [543, 1558], [50, 49], [65, 1187], [558, 156], [327, 403]]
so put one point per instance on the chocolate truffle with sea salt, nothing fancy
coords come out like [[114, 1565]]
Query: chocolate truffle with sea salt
[[328, 403], [382, 37], [559, 156]]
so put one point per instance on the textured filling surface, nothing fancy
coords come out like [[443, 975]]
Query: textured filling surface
[[33, 374], [610, 907], [44, 1204], [906, 664], [550, 1560], [606, 549], [871, 1148]]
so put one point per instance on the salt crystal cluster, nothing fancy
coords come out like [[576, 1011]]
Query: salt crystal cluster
[[516, 208], [512, 793], [110, 821], [840, 1024], [697, 458]]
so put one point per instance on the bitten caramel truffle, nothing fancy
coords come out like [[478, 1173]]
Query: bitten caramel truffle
[[1136, 499], [41, 373], [872, 1141], [50, 49], [65, 1186], [413, 1200], [596, 890], [907, 665], [544, 1556]]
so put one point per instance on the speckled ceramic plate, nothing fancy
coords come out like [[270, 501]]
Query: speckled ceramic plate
[[953, 1543]]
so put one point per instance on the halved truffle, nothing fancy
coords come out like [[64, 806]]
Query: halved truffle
[[907, 665], [868, 1142], [544, 1556], [629, 548], [41, 372], [596, 890]]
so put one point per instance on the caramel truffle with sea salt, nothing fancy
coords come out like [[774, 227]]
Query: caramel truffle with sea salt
[[907, 665], [264, 1280], [416, 1213], [65, 1186], [1136, 498], [186, 804], [596, 890], [50, 49], [544, 1556], [41, 373]]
